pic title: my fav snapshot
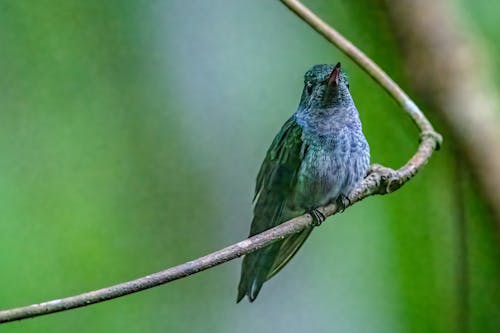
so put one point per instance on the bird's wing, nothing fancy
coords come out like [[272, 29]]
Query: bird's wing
[[288, 248], [276, 182], [277, 176]]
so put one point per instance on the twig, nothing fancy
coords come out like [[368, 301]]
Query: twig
[[380, 180]]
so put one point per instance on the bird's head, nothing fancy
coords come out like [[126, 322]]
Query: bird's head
[[325, 86]]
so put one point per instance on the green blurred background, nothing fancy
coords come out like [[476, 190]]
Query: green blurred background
[[131, 133]]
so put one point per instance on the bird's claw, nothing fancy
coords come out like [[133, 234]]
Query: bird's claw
[[317, 216], [342, 202]]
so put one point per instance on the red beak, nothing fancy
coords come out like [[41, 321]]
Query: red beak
[[334, 77]]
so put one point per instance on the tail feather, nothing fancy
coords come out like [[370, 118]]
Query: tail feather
[[251, 289], [255, 269], [261, 265]]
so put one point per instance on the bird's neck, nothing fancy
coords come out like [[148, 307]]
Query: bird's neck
[[327, 121]]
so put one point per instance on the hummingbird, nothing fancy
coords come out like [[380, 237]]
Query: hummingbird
[[319, 155]]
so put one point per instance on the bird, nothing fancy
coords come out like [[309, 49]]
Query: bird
[[319, 155]]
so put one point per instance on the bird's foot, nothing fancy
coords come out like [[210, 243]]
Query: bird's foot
[[317, 216], [342, 202]]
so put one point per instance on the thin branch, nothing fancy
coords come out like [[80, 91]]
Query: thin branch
[[381, 180]]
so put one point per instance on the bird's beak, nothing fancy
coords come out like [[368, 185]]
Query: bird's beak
[[333, 80]]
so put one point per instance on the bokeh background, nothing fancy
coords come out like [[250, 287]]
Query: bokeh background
[[131, 133]]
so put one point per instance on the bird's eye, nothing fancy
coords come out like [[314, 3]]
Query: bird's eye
[[309, 88]]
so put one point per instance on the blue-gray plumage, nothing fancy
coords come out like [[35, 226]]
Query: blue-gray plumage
[[318, 157]]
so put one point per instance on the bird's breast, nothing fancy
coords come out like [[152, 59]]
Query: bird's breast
[[332, 165]]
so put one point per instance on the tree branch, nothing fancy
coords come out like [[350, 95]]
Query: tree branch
[[380, 180]]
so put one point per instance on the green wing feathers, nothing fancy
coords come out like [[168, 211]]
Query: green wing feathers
[[289, 246], [272, 206]]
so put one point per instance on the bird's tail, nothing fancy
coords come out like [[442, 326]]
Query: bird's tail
[[254, 271], [261, 265]]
